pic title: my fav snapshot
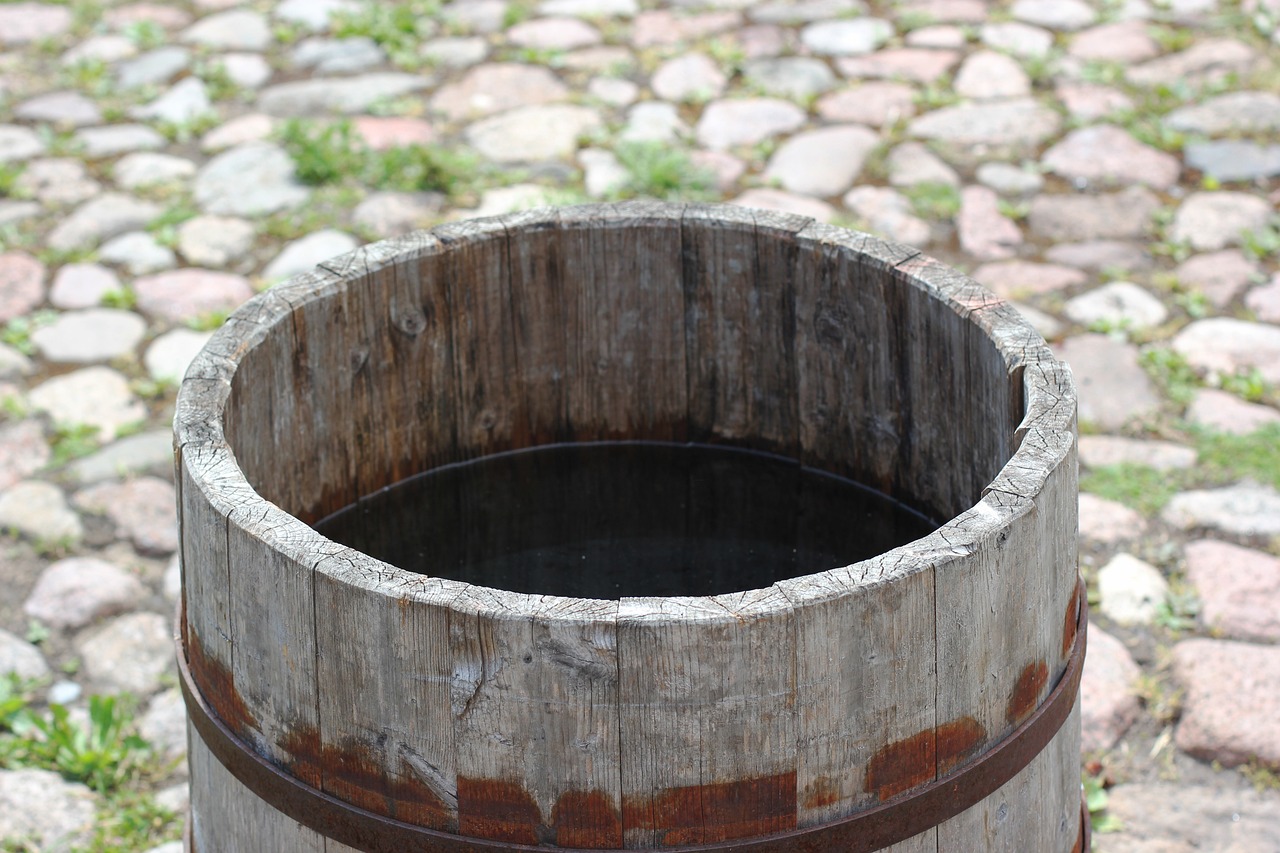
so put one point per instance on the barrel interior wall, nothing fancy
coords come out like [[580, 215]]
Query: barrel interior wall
[[754, 333]]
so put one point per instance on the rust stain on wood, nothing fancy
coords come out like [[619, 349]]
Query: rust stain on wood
[[586, 819], [1026, 692], [822, 791], [357, 773], [957, 741], [720, 811], [218, 687], [1069, 622], [497, 809], [921, 758]]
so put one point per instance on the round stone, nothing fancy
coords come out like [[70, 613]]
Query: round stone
[[1245, 509], [153, 68], [39, 511], [246, 70], [145, 168], [18, 143], [887, 213], [912, 163], [746, 121], [141, 508], [236, 29], [1114, 390], [1108, 702], [99, 142], [455, 52], [303, 254], [338, 56], [1109, 156], [784, 202], [138, 252], [532, 134], [1099, 451], [874, 103], [75, 592], [1100, 255], [987, 74], [554, 34], [82, 286], [613, 91], [190, 293], [1232, 693], [1177, 817], [1017, 38], [1239, 589], [1131, 590], [39, 805], [383, 132], [215, 241], [22, 451], [1104, 522], [1234, 112], [1223, 412], [1213, 220], [1055, 14], [184, 103], [1008, 179], [1120, 304], [393, 214], [822, 162], [252, 179], [691, 77], [169, 356], [1205, 62], [795, 77], [846, 37], [1021, 279], [498, 87], [69, 109], [602, 173], [21, 284], [985, 233], [20, 658], [164, 725], [912, 64], [97, 396], [653, 121], [57, 181], [128, 654], [254, 127], [23, 23], [1225, 345], [102, 218], [1112, 216], [1012, 123], [94, 334], [144, 452]]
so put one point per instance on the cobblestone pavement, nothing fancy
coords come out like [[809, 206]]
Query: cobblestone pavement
[[1112, 167]]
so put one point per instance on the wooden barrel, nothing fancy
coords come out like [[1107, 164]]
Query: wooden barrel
[[924, 699]]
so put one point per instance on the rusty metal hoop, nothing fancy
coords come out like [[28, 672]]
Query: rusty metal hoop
[[892, 821]]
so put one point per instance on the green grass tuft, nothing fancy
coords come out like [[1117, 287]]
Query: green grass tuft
[[334, 153], [657, 170]]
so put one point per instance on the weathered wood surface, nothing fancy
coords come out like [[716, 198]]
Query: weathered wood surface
[[647, 721]]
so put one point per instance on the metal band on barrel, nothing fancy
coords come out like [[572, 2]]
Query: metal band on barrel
[[864, 832]]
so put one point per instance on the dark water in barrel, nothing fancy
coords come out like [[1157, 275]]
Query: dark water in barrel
[[624, 519]]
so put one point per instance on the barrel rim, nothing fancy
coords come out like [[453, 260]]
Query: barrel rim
[[1045, 438]]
